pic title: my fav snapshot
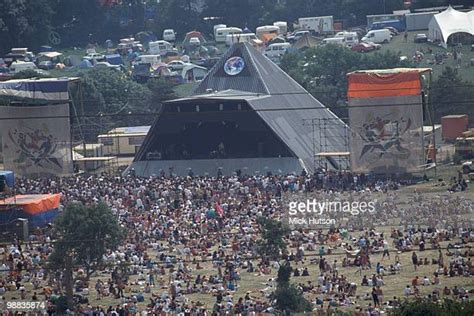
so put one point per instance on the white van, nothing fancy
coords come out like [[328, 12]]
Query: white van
[[18, 66], [276, 50], [378, 36], [350, 38], [221, 34], [218, 26], [149, 59], [334, 40], [159, 47], [169, 35]]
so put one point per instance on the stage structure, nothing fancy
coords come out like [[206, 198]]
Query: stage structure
[[35, 133], [385, 111], [247, 115], [38, 209]]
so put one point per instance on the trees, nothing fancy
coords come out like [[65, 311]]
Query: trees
[[323, 70], [272, 242], [85, 233], [24, 23], [288, 297], [429, 308], [450, 94]]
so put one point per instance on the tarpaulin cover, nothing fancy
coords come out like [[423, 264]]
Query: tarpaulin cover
[[372, 85], [40, 89], [34, 204], [385, 111], [114, 59], [9, 178], [38, 209]]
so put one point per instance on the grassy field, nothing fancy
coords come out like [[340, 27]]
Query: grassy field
[[409, 48], [255, 282]]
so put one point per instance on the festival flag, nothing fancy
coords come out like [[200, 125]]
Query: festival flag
[[219, 210]]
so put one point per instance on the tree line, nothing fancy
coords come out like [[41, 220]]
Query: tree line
[[28, 23]]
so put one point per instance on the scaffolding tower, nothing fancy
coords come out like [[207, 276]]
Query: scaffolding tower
[[322, 137]]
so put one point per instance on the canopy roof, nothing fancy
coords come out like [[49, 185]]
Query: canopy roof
[[450, 22]]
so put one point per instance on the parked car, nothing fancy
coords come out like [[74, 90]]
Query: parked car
[[96, 56], [377, 46], [106, 65], [46, 65], [169, 35], [296, 36], [468, 167], [363, 47], [194, 41], [5, 74], [177, 65], [421, 38]]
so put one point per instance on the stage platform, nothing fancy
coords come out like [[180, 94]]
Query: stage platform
[[202, 167]]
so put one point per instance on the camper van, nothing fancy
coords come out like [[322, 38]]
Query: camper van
[[149, 59], [159, 47], [350, 38], [18, 66], [221, 34], [334, 40], [169, 35], [267, 32], [276, 50], [244, 38], [283, 27], [377, 36], [216, 27]]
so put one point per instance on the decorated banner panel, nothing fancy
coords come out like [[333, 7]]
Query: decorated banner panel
[[36, 139], [385, 112]]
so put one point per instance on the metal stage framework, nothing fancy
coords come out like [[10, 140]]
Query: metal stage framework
[[322, 136]]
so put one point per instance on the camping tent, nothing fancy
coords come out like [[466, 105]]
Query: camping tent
[[192, 73], [193, 34], [306, 41], [450, 22]]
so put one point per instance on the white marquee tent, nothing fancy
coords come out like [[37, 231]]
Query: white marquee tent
[[450, 22]]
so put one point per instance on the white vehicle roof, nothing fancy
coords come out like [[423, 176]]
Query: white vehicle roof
[[264, 28]]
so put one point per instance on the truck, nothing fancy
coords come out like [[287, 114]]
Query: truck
[[399, 25], [318, 25]]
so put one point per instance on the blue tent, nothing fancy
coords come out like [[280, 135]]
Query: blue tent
[[9, 178], [84, 64]]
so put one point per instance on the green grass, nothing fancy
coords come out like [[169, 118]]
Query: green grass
[[184, 90], [409, 48]]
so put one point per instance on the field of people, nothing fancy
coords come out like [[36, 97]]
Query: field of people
[[192, 244]]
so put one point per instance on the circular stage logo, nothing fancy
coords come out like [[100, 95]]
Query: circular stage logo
[[234, 65]]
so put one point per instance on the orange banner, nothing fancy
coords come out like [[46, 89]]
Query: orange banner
[[372, 85]]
